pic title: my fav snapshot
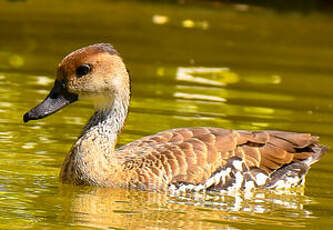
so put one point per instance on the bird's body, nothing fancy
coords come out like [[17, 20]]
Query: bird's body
[[189, 159]]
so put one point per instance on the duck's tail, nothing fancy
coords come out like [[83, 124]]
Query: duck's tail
[[293, 174], [318, 153]]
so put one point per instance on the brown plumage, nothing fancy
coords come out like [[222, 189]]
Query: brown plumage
[[186, 158]]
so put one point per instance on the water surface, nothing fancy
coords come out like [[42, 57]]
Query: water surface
[[202, 64]]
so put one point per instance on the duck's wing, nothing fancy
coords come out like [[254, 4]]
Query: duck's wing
[[196, 155]]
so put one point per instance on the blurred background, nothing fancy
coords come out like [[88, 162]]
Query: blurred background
[[231, 64]]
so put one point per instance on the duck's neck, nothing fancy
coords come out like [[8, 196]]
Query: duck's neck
[[108, 120], [93, 159]]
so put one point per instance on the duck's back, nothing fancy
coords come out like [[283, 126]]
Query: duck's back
[[216, 159]]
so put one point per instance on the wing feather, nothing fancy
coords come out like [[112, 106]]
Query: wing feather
[[192, 155]]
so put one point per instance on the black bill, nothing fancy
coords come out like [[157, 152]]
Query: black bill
[[58, 98]]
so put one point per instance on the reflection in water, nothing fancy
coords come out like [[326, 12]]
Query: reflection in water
[[206, 75], [188, 23], [160, 19], [6, 59], [16, 61], [217, 90], [280, 77], [116, 208], [44, 81], [198, 97], [273, 79]]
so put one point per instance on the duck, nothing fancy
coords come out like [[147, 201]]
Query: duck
[[180, 159]]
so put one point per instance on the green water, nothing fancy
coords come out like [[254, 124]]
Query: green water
[[201, 64]]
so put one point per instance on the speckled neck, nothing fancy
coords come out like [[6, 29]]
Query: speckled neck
[[93, 159], [108, 120]]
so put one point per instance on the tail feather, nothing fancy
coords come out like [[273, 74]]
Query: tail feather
[[319, 151]]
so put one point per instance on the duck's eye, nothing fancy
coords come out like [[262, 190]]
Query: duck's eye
[[83, 70]]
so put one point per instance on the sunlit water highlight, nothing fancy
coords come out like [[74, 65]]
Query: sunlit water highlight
[[247, 68]]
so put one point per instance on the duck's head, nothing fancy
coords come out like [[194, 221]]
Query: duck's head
[[95, 71]]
